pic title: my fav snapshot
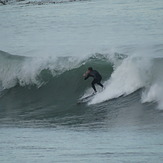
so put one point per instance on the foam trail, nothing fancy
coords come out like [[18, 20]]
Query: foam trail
[[128, 77]]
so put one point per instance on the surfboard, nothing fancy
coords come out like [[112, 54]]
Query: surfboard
[[86, 98]]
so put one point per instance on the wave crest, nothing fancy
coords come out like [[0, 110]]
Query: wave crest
[[122, 74], [24, 71]]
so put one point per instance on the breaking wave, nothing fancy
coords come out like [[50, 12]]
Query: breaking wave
[[48, 86]]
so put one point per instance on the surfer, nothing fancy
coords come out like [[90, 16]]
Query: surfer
[[96, 75]]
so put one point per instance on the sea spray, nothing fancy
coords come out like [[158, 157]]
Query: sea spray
[[133, 73], [154, 91]]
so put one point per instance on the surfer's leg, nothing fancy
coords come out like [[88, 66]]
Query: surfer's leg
[[93, 85], [100, 84]]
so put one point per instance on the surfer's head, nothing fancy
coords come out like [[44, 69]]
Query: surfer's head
[[90, 68]]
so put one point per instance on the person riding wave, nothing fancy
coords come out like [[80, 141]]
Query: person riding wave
[[96, 77]]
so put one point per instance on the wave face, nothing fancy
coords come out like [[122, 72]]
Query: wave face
[[39, 85], [44, 88]]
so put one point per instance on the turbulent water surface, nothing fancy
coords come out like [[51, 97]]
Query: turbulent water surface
[[46, 46]]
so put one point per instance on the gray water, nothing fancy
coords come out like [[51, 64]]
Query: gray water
[[80, 28], [78, 145], [123, 123], [116, 131]]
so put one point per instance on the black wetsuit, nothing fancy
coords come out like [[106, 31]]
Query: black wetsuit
[[97, 78]]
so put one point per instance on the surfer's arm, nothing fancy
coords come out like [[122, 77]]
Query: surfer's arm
[[86, 75]]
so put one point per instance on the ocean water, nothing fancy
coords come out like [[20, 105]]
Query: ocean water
[[46, 46]]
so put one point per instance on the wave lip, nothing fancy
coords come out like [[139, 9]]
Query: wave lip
[[23, 71]]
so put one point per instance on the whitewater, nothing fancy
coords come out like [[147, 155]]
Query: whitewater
[[46, 46]]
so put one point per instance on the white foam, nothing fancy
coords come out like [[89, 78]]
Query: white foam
[[132, 74], [154, 94], [154, 91]]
